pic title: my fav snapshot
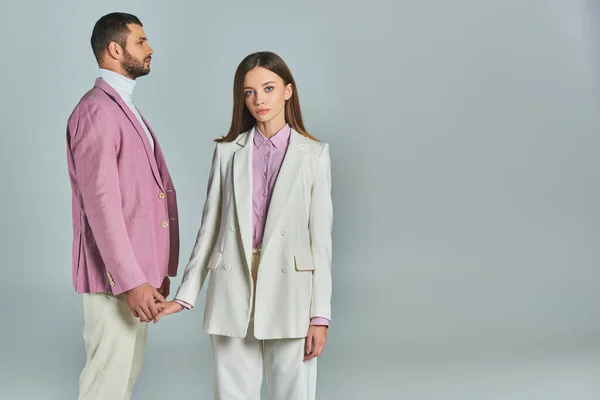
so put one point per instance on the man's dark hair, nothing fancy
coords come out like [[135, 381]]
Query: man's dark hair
[[111, 28]]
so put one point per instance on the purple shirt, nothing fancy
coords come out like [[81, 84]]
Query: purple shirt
[[267, 158]]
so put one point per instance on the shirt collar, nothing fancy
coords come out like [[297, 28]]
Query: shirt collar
[[279, 140], [123, 85]]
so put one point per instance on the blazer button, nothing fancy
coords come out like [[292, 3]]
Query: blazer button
[[226, 267], [232, 228], [284, 232], [165, 224], [284, 270], [161, 195]]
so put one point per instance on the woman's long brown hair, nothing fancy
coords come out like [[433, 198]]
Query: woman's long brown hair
[[241, 119]]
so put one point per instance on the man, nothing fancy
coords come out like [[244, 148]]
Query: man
[[126, 234]]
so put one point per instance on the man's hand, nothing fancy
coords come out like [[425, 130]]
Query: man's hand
[[170, 307], [141, 301], [315, 341], [165, 288]]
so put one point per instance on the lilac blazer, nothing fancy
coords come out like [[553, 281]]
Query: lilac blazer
[[125, 224]]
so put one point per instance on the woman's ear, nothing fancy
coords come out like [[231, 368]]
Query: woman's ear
[[287, 94]]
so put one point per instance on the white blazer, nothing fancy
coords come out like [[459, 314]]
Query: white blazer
[[294, 274]]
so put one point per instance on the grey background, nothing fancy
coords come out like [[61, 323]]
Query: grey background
[[464, 140]]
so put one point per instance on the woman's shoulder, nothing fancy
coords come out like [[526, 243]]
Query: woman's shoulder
[[228, 147], [312, 143]]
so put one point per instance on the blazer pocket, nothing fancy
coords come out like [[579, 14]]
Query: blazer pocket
[[214, 260], [304, 262]]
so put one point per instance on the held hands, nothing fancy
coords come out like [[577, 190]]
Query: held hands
[[170, 307], [142, 301], [315, 341]]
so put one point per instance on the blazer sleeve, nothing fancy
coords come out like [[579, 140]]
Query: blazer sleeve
[[196, 270], [93, 146], [320, 227]]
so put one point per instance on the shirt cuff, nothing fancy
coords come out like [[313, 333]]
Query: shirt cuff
[[319, 321], [183, 303]]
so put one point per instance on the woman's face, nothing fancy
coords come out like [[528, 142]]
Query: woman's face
[[265, 94]]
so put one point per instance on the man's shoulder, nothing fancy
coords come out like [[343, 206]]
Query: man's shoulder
[[95, 97], [95, 102]]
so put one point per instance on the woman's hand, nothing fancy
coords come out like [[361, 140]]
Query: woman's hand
[[315, 341], [170, 307]]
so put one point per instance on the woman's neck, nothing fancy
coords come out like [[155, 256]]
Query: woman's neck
[[270, 128]]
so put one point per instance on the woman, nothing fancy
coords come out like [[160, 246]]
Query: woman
[[265, 238]]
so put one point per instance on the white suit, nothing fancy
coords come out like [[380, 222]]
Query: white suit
[[294, 272]]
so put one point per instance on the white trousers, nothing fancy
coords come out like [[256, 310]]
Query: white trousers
[[114, 344], [238, 365]]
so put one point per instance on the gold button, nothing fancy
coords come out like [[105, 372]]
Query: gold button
[[165, 224], [112, 283], [161, 195]]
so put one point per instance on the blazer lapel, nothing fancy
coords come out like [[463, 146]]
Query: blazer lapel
[[158, 156], [289, 173], [242, 189], [100, 83]]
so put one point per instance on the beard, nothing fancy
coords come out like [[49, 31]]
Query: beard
[[134, 67]]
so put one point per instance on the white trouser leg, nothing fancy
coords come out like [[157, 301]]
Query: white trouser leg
[[289, 377], [237, 366], [114, 342]]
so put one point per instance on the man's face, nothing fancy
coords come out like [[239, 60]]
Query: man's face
[[137, 53]]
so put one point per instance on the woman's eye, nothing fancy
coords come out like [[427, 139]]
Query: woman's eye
[[268, 88], [248, 93]]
